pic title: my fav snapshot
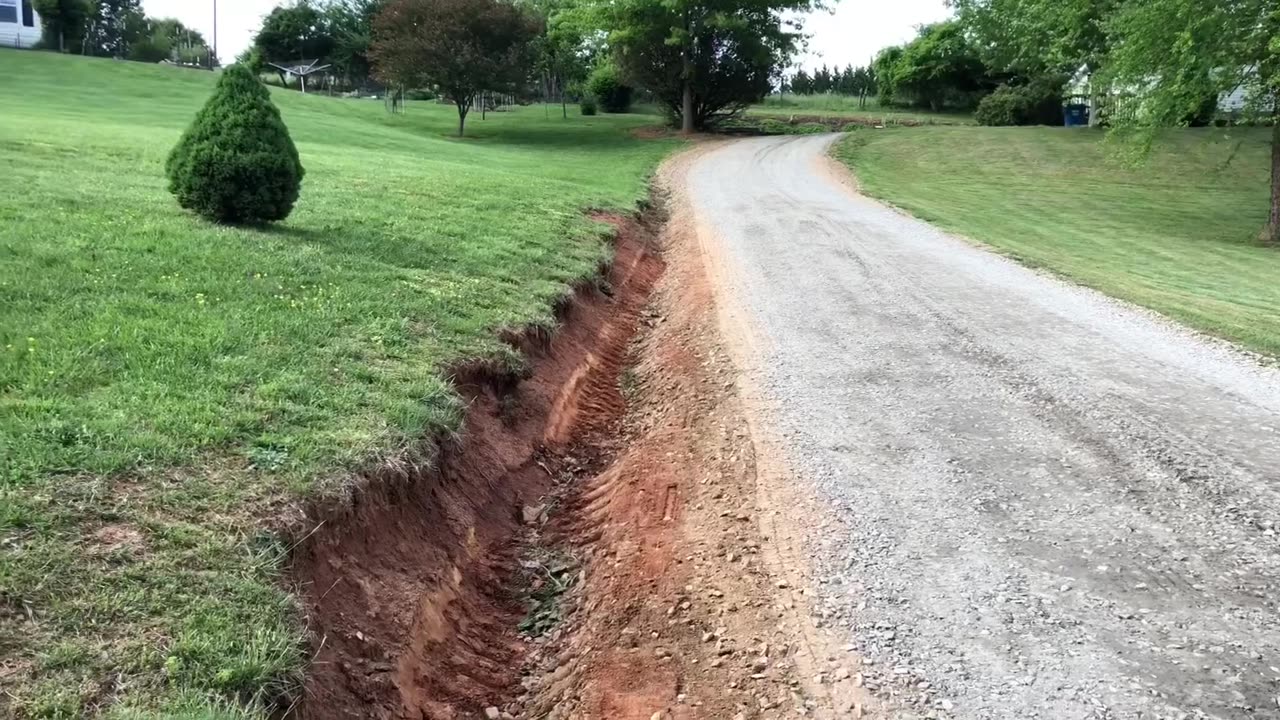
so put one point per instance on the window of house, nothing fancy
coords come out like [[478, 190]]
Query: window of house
[[8, 11], [28, 14]]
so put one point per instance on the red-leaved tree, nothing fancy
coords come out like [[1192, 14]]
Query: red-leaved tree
[[458, 47]]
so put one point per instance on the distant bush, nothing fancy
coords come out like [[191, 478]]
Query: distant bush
[[588, 105], [236, 162], [419, 94], [1036, 103], [606, 86]]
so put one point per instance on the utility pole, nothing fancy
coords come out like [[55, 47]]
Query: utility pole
[[213, 58]]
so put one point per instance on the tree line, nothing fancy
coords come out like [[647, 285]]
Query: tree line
[[119, 28], [702, 61], [859, 82]]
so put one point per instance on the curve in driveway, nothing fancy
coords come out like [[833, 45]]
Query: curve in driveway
[[1039, 502]]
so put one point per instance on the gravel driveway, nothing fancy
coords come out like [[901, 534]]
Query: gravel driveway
[[1042, 503]]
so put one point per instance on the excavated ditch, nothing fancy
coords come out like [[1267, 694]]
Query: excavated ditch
[[418, 592]]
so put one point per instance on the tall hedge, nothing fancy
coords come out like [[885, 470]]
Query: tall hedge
[[236, 163]]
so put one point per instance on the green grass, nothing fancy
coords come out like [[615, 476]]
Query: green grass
[[843, 106], [167, 386], [1175, 233]]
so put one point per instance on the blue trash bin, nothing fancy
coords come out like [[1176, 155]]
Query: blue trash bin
[[1076, 115]]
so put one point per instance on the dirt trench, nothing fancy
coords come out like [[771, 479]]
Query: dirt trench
[[588, 547]]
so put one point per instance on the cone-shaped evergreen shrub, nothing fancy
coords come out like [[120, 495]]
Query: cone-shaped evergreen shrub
[[236, 163]]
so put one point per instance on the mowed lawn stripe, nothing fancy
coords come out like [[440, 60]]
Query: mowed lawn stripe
[[168, 388], [1174, 232]]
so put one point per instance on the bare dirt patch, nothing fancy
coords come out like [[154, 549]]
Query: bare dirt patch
[[409, 590], [593, 545]]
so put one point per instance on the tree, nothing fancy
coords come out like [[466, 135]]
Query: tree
[[939, 68], [350, 28], [64, 23], [564, 51], [1172, 54], [294, 32], [885, 67], [461, 47], [606, 86], [801, 83], [1033, 37], [236, 162], [114, 25], [168, 39], [704, 60]]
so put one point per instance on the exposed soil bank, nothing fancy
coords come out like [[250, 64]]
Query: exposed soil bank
[[624, 472], [409, 591]]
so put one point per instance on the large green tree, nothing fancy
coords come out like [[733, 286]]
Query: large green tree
[[1031, 37], [704, 60], [565, 49], [295, 32], [459, 47], [350, 27], [113, 27], [64, 23], [939, 68]]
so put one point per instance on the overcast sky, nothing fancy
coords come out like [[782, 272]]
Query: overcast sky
[[852, 35], [860, 28]]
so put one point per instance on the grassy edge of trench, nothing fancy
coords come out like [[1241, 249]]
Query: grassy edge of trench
[[1174, 232], [171, 391]]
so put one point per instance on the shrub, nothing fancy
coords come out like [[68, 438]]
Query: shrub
[[606, 86], [236, 162], [1001, 107], [1036, 103], [588, 105]]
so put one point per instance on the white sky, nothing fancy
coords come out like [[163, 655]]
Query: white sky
[[238, 20], [860, 28], [853, 34]]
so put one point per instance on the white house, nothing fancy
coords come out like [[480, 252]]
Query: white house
[[19, 24]]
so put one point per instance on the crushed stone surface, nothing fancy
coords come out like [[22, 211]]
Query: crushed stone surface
[[1038, 502]]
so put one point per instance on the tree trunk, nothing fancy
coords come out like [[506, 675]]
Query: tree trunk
[[1271, 235], [686, 99], [686, 109], [462, 114]]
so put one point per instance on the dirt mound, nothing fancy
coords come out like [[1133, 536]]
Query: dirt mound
[[409, 592]]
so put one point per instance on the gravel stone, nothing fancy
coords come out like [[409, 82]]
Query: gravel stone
[[1058, 505]]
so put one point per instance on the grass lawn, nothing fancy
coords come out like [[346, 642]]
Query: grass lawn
[[842, 106], [167, 386], [1175, 233]]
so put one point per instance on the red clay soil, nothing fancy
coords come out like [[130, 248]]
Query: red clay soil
[[631, 434], [409, 590]]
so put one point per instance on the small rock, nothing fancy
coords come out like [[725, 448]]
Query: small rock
[[842, 673], [532, 514], [492, 713]]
